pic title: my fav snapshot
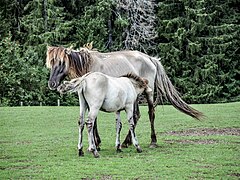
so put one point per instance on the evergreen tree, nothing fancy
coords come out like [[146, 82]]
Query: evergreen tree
[[195, 39], [92, 24]]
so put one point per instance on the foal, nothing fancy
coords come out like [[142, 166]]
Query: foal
[[98, 91]]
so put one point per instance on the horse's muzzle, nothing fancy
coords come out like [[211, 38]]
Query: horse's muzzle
[[52, 85]]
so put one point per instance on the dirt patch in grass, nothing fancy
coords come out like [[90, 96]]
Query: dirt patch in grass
[[206, 132], [185, 141], [202, 132], [235, 174]]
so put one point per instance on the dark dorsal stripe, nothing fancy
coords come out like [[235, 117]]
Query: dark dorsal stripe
[[142, 82]]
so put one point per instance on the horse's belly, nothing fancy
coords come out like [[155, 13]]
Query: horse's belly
[[112, 105]]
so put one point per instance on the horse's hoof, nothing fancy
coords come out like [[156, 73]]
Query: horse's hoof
[[119, 150], [96, 154], [80, 153], [153, 145], [139, 150]]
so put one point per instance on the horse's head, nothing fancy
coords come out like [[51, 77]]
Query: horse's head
[[58, 61]]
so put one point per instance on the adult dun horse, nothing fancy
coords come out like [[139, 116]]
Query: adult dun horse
[[98, 91], [66, 62]]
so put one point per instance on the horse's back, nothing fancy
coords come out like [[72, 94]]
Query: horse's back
[[119, 63]]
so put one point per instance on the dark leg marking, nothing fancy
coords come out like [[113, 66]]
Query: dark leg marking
[[97, 138], [136, 115], [80, 152]]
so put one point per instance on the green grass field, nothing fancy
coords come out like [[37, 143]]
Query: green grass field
[[41, 143]]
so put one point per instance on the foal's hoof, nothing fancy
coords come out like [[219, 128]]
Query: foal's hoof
[[139, 150], [153, 145], [119, 150], [80, 152]]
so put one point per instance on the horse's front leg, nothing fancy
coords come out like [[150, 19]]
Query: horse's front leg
[[118, 130], [132, 129], [136, 116]]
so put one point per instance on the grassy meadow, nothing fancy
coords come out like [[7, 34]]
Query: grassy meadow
[[41, 143]]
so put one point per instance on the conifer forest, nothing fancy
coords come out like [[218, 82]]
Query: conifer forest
[[198, 42]]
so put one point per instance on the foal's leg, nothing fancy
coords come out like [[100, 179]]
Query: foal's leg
[[83, 108], [132, 128], [90, 123], [136, 116], [97, 138], [118, 129], [81, 127], [151, 113]]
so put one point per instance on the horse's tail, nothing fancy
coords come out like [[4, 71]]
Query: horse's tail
[[165, 88]]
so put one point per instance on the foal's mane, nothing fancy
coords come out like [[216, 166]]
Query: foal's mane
[[140, 81], [77, 62]]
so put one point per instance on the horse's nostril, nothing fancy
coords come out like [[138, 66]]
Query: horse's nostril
[[53, 84]]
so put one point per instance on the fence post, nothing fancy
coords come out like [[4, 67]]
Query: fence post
[[21, 103], [58, 102]]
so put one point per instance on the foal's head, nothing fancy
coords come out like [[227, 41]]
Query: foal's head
[[70, 86]]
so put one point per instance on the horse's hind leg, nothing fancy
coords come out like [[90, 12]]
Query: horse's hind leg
[[97, 138], [136, 116], [151, 113]]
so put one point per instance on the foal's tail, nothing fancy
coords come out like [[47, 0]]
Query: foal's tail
[[165, 88]]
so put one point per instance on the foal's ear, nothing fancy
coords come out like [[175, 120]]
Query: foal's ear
[[145, 81]]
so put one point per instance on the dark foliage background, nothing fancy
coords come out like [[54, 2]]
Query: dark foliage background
[[198, 42]]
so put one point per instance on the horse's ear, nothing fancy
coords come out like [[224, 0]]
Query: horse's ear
[[49, 48], [69, 50], [90, 45]]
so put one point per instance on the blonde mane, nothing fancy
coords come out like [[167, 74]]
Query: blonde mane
[[77, 62]]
